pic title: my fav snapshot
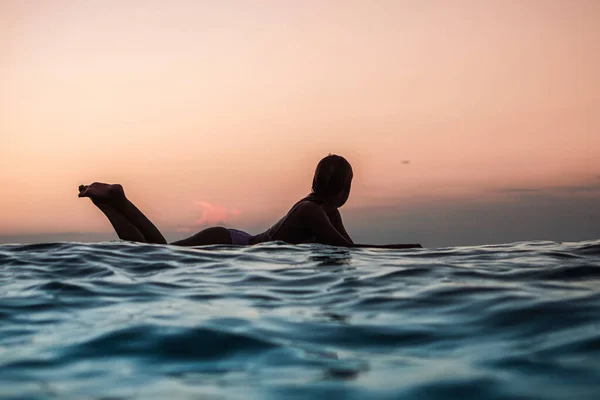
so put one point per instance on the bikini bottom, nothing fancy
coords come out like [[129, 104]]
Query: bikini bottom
[[240, 238]]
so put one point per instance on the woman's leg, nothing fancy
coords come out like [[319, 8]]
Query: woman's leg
[[125, 229], [121, 210], [148, 229], [131, 224]]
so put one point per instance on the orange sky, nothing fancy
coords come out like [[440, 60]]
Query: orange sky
[[211, 111]]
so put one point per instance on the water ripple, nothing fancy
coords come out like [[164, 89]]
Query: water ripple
[[135, 321]]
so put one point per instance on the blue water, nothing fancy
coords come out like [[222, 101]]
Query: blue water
[[119, 320]]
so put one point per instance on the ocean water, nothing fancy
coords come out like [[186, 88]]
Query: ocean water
[[134, 321]]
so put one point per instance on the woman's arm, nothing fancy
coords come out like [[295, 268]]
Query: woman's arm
[[326, 233], [320, 226], [336, 220]]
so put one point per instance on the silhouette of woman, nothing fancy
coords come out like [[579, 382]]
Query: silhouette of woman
[[313, 219]]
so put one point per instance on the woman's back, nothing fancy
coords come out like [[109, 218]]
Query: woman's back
[[292, 227]]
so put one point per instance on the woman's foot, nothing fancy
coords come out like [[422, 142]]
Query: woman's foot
[[102, 192]]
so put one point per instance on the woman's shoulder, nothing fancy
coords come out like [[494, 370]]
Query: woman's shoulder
[[305, 209], [310, 199]]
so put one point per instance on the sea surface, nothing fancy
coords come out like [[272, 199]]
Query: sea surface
[[119, 320]]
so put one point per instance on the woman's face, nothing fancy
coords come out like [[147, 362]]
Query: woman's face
[[342, 197]]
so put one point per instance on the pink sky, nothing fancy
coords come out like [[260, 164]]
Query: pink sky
[[219, 111]]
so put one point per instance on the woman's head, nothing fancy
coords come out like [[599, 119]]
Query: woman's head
[[332, 180]]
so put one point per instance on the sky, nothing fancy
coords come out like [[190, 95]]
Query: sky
[[466, 122]]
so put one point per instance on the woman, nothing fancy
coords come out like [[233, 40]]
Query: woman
[[313, 219]]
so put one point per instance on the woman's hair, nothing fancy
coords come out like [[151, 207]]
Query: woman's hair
[[333, 175]]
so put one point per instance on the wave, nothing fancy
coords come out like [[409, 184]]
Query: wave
[[124, 320]]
